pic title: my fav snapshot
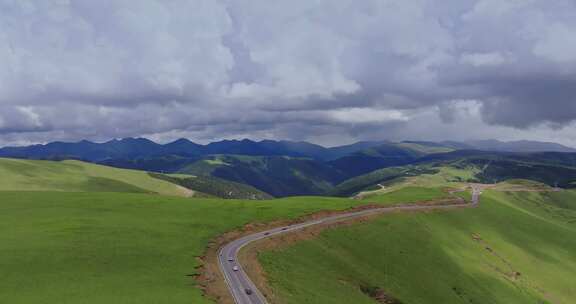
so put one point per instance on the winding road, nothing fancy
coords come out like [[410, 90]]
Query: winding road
[[243, 289]]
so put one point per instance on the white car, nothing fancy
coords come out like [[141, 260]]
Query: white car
[[235, 268]]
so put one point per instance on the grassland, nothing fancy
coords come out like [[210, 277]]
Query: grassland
[[77, 244], [406, 195], [63, 248], [515, 248], [383, 181], [426, 149], [213, 186], [60, 247], [370, 181], [34, 175]]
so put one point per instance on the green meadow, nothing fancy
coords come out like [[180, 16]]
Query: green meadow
[[60, 247], [77, 176], [119, 248], [515, 248], [85, 233], [408, 194]]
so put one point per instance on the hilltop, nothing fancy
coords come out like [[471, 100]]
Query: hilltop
[[76, 176]]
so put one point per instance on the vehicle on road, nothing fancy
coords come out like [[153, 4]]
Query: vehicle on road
[[240, 278], [230, 259]]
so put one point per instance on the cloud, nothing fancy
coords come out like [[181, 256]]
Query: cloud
[[362, 115], [558, 43], [483, 59], [327, 70]]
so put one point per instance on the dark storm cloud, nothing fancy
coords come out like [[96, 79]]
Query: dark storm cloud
[[334, 70], [519, 97]]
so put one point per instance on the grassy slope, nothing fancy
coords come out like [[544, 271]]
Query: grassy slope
[[369, 181], [407, 194], [432, 258], [499, 168], [32, 175], [214, 186], [400, 177], [278, 176], [121, 248], [62, 248], [425, 149]]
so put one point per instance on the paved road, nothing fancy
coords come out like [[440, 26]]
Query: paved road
[[243, 289]]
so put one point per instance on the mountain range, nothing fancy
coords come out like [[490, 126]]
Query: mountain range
[[287, 168], [132, 148]]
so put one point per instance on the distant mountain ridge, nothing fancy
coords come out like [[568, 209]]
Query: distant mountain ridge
[[519, 146], [492, 145], [286, 168], [133, 148]]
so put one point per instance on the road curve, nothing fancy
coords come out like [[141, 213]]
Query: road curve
[[243, 289]]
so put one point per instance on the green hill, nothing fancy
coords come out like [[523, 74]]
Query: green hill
[[551, 169], [215, 187], [515, 248], [119, 248], [386, 176], [277, 175], [501, 168], [386, 155], [76, 176], [64, 243]]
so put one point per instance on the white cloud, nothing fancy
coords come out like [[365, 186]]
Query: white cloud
[[112, 68], [367, 116], [88, 50], [30, 116]]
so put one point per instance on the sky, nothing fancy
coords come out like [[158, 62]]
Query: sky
[[325, 71]]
